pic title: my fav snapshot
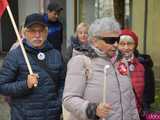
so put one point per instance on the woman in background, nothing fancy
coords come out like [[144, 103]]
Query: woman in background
[[78, 42], [127, 49]]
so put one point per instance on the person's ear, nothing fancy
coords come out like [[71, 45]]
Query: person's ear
[[94, 40], [46, 30]]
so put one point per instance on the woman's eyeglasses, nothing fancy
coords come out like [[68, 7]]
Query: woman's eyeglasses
[[110, 40]]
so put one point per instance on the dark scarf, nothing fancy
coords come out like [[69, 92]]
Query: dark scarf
[[86, 49]]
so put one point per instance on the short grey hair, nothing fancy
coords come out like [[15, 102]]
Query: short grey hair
[[106, 24]]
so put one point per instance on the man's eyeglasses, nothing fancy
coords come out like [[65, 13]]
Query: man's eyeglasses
[[35, 30], [109, 40]]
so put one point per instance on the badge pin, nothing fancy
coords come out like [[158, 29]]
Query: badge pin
[[131, 67], [41, 56]]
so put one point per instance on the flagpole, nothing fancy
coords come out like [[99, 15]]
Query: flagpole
[[20, 41]]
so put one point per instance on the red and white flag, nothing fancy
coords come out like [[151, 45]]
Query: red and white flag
[[3, 5]]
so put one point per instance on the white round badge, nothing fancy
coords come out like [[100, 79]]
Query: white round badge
[[131, 67], [41, 56]]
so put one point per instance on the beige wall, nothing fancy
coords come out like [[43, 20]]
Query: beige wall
[[138, 20], [153, 31], [27, 7]]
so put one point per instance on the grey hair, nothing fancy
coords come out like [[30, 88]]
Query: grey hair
[[106, 24]]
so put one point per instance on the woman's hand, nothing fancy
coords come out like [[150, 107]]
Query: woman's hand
[[103, 109]]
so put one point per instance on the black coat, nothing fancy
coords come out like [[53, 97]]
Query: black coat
[[149, 88]]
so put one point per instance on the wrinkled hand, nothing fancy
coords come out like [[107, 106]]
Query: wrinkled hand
[[32, 80], [103, 109]]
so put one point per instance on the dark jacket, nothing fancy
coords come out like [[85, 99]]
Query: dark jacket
[[149, 89], [76, 45], [55, 33], [42, 102]]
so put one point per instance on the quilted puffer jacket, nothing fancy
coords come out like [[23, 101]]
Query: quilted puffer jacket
[[79, 92], [137, 78], [42, 102]]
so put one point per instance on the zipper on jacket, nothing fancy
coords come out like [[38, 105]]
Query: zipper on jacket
[[120, 91]]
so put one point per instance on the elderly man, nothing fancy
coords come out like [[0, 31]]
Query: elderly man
[[83, 93], [28, 102]]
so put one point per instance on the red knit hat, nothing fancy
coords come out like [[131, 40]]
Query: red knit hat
[[131, 34]]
